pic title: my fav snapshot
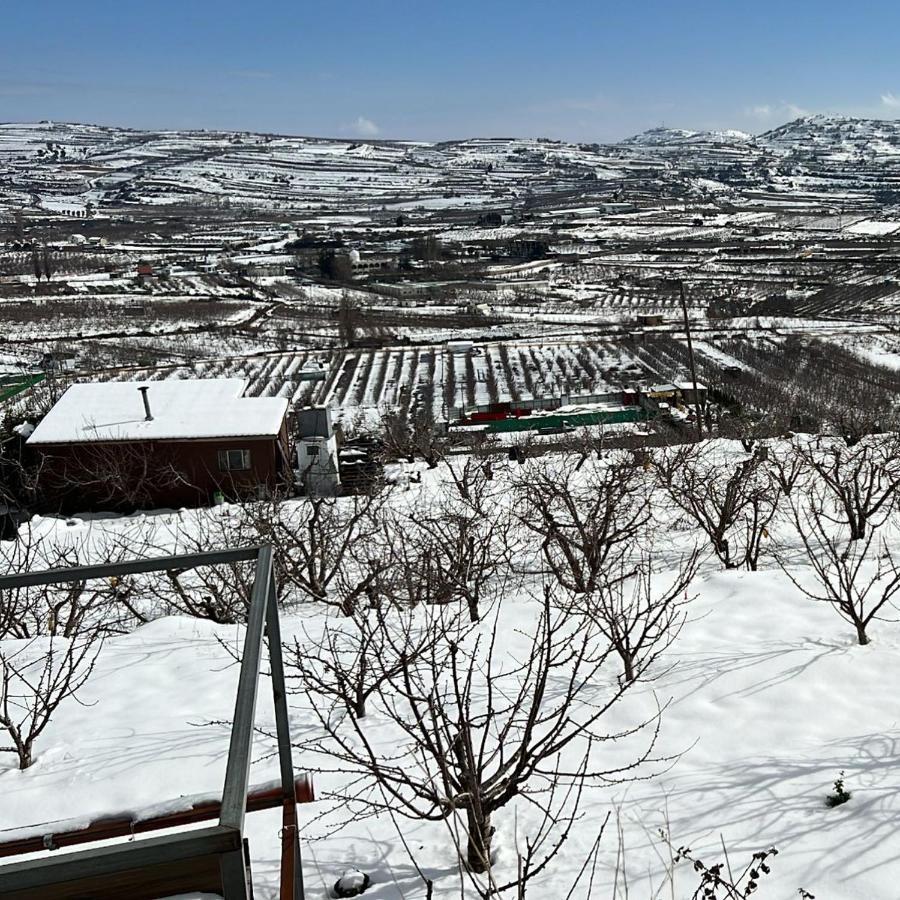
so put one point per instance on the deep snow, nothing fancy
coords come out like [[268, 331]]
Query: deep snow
[[767, 698]]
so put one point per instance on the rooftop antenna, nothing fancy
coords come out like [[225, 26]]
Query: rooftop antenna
[[143, 389]]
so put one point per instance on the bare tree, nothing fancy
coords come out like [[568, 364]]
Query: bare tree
[[476, 730], [35, 677], [639, 619], [455, 548], [858, 577], [416, 434], [348, 315], [65, 609], [36, 264], [862, 480], [356, 655], [748, 428], [585, 519], [221, 592], [559, 814], [854, 422], [327, 549], [788, 467], [732, 503], [591, 441], [48, 263]]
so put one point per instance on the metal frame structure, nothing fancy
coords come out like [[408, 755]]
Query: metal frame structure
[[215, 858]]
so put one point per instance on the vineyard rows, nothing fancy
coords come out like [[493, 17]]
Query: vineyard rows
[[436, 378]]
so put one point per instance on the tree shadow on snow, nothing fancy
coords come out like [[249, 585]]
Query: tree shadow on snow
[[774, 800], [702, 669]]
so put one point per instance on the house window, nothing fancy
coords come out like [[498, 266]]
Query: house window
[[312, 450], [234, 460]]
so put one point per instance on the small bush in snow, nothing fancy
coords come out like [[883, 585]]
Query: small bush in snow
[[840, 794], [718, 880]]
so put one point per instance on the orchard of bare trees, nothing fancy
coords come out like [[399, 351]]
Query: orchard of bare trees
[[478, 646]]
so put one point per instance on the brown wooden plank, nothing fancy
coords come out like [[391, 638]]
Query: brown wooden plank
[[146, 883], [115, 827]]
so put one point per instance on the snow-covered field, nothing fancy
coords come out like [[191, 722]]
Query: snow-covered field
[[765, 698], [552, 253]]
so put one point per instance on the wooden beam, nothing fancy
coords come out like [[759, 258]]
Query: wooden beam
[[110, 827], [64, 876]]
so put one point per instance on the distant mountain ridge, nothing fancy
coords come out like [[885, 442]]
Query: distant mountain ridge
[[74, 169], [840, 133], [843, 132], [819, 128], [669, 136]]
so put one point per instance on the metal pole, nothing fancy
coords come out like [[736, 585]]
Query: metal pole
[[440, 348], [235, 877], [131, 567], [233, 866], [291, 863], [237, 772]]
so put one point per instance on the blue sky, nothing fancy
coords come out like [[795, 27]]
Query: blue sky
[[572, 69]]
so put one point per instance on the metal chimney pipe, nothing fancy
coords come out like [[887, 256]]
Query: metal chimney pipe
[[148, 417]]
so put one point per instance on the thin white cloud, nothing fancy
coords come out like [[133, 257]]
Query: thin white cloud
[[794, 111], [363, 127], [782, 110], [890, 101]]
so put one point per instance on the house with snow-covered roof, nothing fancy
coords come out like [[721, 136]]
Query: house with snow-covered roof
[[130, 445]]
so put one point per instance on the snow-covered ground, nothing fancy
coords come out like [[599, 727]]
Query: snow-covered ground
[[765, 699]]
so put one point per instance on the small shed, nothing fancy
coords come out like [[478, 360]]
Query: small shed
[[686, 389], [662, 391], [59, 361], [318, 466]]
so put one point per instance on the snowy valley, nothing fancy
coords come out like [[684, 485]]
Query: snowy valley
[[599, 596]]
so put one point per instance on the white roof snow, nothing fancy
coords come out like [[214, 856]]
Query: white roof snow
[[181, 409]]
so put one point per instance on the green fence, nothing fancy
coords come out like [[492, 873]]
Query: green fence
[[561, 420], [10, 386]]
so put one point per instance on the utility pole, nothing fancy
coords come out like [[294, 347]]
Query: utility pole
[[441, 349], [687, 331]]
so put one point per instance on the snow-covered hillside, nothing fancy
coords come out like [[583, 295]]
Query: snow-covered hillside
[[763, 698], [665, 136], [78, 169]]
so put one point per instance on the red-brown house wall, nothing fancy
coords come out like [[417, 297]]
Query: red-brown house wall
[[196, 462]]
